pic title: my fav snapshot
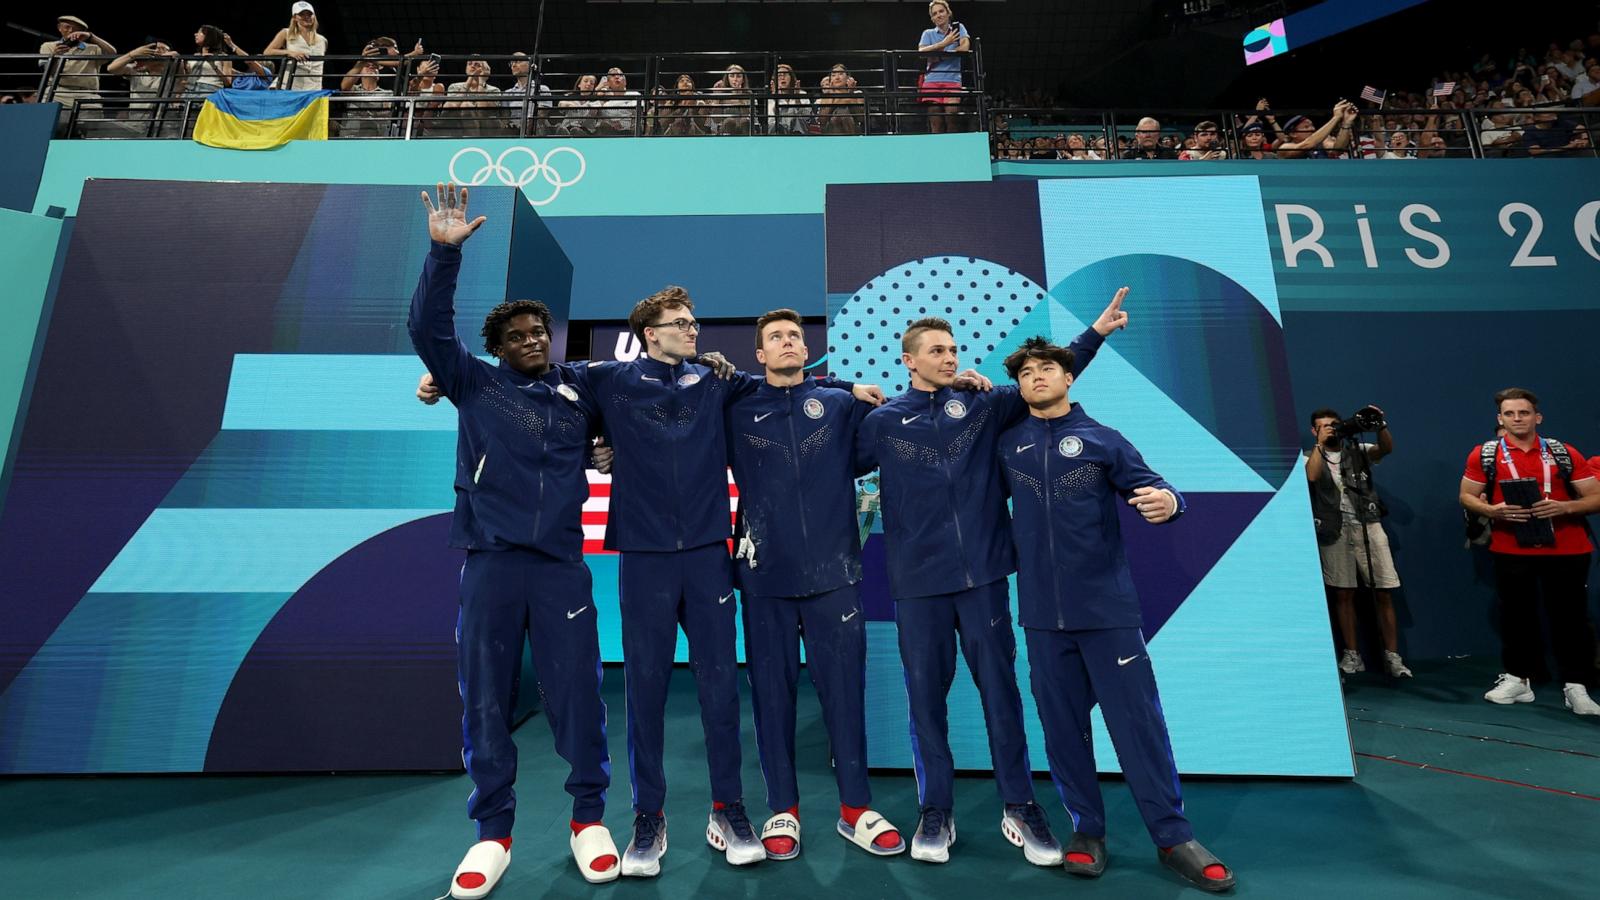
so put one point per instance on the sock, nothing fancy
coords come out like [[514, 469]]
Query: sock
[[470, 880], [781, 845], [600, 863], [888, 840], [1215, 871]]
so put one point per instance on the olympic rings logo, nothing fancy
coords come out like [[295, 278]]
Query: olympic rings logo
[[536, 170]]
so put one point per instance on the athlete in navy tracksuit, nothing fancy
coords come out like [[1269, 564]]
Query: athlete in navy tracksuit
[[669, 520], [1080, 614], [798, 564], [522, 446], [949, 552]]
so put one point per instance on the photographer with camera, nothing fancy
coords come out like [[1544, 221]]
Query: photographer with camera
[[77, 78], [1535, 492], [1350, 535]]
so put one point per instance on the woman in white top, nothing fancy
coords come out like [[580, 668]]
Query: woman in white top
[[300, 42], [789, 111]]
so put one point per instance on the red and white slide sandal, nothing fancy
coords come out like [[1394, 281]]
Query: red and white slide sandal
[[594, 843], [480, 870]]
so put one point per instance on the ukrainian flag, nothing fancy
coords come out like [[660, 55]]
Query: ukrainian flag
[[261, 120]]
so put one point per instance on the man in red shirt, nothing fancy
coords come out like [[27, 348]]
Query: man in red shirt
[[1557, 572]]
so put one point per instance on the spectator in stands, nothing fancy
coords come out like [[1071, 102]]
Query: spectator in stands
[[1431, 146], [1207, 143], [1550, 136], [425, 83], [1570, 62], [1264, 118], [789, 110], [1306, 141], [1077, 148], [730, 112], [1255, 143], [1499, 131], [679, 113], [303, 45], [205, 75], [529, 83], [1399, 147], [840, 110], [1147, 142], [472, 111], [375, 51], [942, 69], [1586, 83], [616, 114], [580, 112], [145, 68], [78, 78], [371, 117]]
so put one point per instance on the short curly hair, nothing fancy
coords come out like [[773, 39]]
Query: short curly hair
[[510, 309]]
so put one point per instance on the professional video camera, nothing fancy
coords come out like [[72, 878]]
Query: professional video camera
[[1367, 418]]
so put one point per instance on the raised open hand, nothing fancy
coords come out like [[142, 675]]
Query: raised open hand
[[447, 220]]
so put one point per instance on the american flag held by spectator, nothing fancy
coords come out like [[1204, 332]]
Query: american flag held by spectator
[[1444, 89], [1373, 94]]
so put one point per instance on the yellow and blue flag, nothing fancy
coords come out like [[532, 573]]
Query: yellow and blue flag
[[261, 120]]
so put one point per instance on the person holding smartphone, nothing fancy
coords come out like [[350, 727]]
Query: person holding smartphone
[[942, 68]]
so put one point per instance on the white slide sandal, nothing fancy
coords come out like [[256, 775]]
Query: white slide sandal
[[487, 859], [779, 826], [871, 824], [589, 845]]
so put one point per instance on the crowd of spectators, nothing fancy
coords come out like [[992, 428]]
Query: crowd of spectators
[[1503, 100], [116, 93], [1509, 101]]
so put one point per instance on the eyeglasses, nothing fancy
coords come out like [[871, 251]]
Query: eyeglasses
[[679, 324]]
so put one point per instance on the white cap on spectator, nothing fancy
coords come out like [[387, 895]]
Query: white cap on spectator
[[301, 7], [74, 20]]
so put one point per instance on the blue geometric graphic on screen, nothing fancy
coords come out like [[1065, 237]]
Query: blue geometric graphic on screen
[[982, 300], [1214, 221], [1262, 601], [1217, 352], [1120, 395], [130, 682]]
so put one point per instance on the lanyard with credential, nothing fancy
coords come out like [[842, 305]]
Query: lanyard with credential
[[1546, 462]]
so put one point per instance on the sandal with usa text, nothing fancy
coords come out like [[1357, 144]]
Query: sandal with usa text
[[782, 825], [1197, 866], [868, 828], [480, 870]]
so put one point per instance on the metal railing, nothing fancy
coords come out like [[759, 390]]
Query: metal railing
[[845, 92], [1024, 134], [694, 94]]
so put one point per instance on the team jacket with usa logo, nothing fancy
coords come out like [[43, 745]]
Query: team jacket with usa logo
[[944, 508], [1068, 478], [793, 450], [669, 478], [522, 443]]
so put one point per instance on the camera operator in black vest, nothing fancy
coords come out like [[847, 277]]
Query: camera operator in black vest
[[1350, 535]]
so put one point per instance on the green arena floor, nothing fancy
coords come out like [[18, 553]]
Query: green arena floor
[[1455, 798]]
